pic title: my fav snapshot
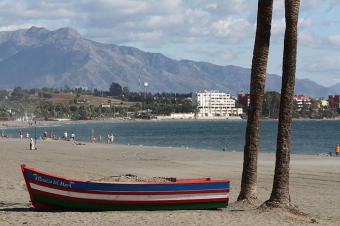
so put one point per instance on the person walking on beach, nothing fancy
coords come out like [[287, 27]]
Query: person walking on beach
[[20, 134], [65, 135], [112, 138], [108, 138], [337, 150]]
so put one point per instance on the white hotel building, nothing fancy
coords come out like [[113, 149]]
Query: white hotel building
[[215, 104]]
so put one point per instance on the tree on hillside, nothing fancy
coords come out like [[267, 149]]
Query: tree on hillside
[[280, 193], [271, 104], [19, 93], [3, 94], [257, 84], [116, 89], [126, 91]]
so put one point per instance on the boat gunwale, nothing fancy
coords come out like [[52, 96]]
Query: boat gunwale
[[178, 181]]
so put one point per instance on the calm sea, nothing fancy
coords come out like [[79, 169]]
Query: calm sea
[[308, 136]]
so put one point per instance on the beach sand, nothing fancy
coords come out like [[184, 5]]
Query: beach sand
[[314, 183]]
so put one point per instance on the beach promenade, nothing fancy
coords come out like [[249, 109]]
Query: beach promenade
[[314, 183]]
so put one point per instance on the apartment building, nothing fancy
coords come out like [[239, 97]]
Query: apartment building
[[215, 104], [333, 101], [243, 99], [303, 100]]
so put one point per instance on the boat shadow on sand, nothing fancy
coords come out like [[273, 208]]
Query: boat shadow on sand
[[16, 207], [27, 207]]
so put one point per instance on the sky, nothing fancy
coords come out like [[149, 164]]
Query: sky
[[221, 32]]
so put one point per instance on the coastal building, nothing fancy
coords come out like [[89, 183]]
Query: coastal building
[[243, 98], [333, 101], [303, 100], [323, 103], [214, 104]]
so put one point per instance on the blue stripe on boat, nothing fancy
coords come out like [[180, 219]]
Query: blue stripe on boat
[[87, 185]]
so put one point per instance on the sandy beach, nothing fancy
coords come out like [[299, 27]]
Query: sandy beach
[[314, 183]]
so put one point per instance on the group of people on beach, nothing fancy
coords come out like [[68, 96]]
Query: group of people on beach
[[336, 151], [109, 139], [65, 137], [50, 136]]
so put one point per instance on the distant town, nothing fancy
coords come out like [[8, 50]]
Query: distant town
[[118, 102]]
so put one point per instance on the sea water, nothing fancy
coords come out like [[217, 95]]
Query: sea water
[[308, 136]]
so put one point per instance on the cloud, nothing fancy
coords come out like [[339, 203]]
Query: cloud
[[309, 39], [124, 21], [306, 5], [334, 3], [334, 40], [305, 22], [328, 63], [220, 57]]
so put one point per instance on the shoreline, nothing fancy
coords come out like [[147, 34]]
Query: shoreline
[[11, 124]]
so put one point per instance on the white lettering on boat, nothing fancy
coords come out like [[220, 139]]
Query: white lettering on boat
[[67, 184]]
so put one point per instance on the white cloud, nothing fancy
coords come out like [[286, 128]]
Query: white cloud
[[225, 56], [333, 4], [306, 5], [278, 27], [324, 63], [305, 22], [232, 29], [308, 39], [335, 40]]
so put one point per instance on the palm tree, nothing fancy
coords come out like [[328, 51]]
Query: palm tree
[[280, 193], [257, 83]]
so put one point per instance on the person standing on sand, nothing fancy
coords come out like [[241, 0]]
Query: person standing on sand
[[31, 144], [73, 137], [108, 138], [112, 138], [20, 134], [65, 135], [27, 135], [337, 150]]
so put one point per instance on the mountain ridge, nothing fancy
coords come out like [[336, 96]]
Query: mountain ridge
[[37, 57]]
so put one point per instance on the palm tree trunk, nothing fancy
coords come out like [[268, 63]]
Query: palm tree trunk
[[257, 84], [280, 193]]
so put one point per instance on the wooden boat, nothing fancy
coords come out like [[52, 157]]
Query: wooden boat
[[51, 192]]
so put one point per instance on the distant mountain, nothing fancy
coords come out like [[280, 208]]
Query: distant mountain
[[336, 87], [37, 57]]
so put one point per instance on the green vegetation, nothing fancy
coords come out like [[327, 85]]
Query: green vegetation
[[78, 103], [271, 107]]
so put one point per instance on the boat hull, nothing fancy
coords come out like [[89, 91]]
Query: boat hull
[[50, 192]]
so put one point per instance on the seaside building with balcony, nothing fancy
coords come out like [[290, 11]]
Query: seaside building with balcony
[[303, 100], [215, 104]]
